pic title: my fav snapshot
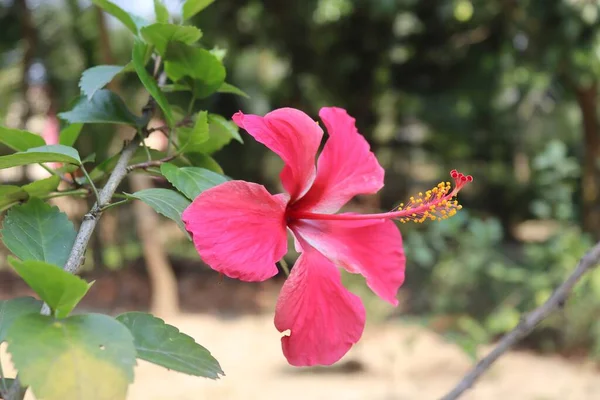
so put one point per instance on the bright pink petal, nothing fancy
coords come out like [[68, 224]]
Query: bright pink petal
[[292, 135], [324, 319], [370, 248], [346, 167], [239, 229]]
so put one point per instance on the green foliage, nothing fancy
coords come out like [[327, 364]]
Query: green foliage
[[191, 181], [10, 194], [166, 202], [61, 290], [197, 68], [120, 14], [161, 12], [221, 132], [37, 231], [160, 35], [97, 77], [139, 63], [193, 7], [68, 136], [228, 88], [80, 357], [104, 108], [51, 153], [19, 140], [165, 345], [193, 139], [12, 309]]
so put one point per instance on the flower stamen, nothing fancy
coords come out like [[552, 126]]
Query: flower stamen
[[436, 204]]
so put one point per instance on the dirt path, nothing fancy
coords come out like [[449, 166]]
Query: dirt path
[[394, 361]]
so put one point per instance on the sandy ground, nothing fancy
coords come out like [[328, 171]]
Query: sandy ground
[[393, 361]]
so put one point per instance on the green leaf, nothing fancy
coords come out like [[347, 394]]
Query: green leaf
[[19, 140], [42, 187], [165, 345], [104, 108], [10, 194], [204, 161], [193, 7], [37, 231], [193, 138], [164, 201], [68, 136], [51, 153], [60, 289], [14, 308], [139, 51], [160, 35], [227, 88], [97, 77], [191, 181], [117, 12], [201, 69], [221, 132], [87, 357], [162, 13]]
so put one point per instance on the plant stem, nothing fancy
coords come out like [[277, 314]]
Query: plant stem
[[528, 322], [284, 267], [154, 163], [148, 155], [53, 172], [114, 204], [91, 182]]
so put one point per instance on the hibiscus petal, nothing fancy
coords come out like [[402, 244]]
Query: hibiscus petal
[[370, 248], [292, 135], [324, 319], [346, 167], [239, 229]]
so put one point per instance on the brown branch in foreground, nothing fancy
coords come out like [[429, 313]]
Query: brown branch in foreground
[[528, 323]]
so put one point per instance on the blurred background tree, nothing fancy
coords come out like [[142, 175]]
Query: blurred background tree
[[505, 90]]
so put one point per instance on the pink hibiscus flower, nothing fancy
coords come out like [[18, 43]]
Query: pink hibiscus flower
[[239, 229]]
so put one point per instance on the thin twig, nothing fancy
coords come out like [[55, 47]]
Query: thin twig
[[153, 163], [528, 323], [53, 172]]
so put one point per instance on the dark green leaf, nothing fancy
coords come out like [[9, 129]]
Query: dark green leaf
[[42, 187], [161, 12], [161, 34], [193, 138], [166, 202], [97, 77], [104, 108], [87, 357], [196, 67], [14, 308], [191, 181], [117, 12], [139, 51], [58, 288], [19, 140], [37, 231], [165, 345], [193, 7], [227, 88], [51, 153], [204, 161], [68, 136]]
